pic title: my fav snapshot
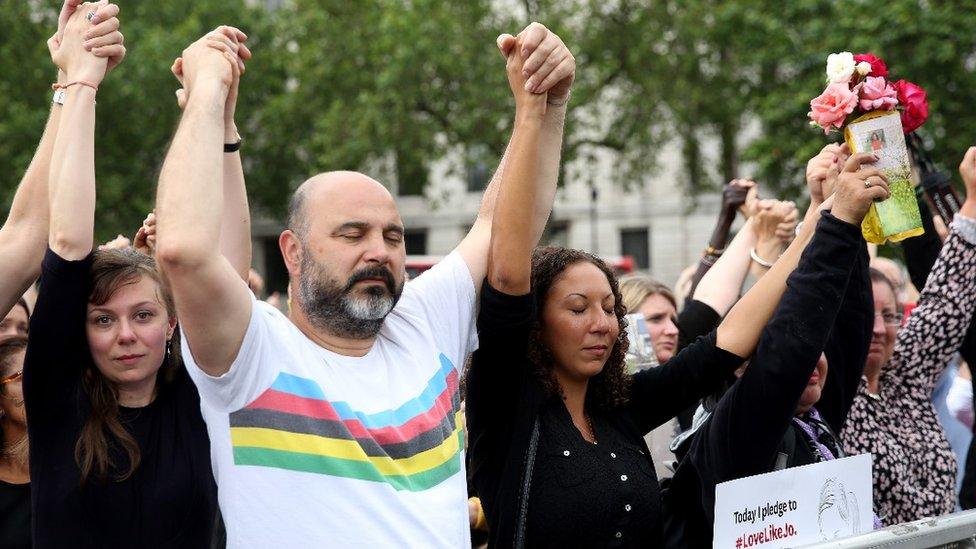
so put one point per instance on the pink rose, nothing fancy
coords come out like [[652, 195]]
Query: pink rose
[[877, 93], [833, 105], [915, 107], [878, 67]]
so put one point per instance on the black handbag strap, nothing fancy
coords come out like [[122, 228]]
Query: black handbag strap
[[523, 505]]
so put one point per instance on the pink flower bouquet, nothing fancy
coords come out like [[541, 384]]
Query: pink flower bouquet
[[875, 114], [859, 85]]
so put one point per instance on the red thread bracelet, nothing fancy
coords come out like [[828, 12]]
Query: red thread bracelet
[[57, 86]]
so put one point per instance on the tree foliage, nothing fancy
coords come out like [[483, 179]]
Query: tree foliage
[[389, 86]]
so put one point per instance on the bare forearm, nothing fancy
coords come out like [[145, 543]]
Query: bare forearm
[[72, 179], [235, 229], [190, 202], [23, 237], [30, 204], [550, 153], [739, 332], [490, 197], [514, 227], [720, 286], [769, 250]]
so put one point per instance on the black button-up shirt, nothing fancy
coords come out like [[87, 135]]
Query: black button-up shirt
[[596, 495]]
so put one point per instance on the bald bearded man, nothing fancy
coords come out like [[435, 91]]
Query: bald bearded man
[[339, 426]]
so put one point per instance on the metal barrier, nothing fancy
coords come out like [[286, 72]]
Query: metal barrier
[[957, 530]]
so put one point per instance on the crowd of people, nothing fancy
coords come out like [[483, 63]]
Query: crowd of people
[[149, 398]]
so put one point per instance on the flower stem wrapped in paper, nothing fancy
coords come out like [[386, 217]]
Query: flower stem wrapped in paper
[[875, 115]]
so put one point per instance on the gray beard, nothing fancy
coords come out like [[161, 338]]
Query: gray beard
[[336, 309]]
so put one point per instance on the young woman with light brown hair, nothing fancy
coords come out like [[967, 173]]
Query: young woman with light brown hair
[[125, 458]]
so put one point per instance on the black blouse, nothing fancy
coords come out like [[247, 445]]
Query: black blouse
[[581, 498], [171, 498], [15, 516], [603, 494]]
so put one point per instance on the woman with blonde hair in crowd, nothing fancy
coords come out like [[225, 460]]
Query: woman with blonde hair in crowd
[[655, 301]]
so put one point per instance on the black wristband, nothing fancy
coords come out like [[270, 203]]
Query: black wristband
[[232, 147]]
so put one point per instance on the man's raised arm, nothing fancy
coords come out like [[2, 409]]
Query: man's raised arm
[[549, 68], [235, 230], [212, 300], [23, 237]]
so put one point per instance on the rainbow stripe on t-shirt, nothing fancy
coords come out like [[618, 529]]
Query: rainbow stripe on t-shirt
[[413, 447]]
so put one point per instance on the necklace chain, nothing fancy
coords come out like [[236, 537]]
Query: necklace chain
[[589, 423]]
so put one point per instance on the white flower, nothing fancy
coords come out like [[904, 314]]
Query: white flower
[[864, 68], [840, 66]]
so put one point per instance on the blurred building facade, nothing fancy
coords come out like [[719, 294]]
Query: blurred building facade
[[653, 220]]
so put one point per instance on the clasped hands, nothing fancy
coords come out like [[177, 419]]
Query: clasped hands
[[88, 43], [540, 69]]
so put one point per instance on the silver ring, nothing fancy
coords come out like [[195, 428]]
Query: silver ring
[[90, 16], [867, 183]]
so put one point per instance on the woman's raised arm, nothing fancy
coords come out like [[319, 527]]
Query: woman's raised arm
[[514, 231]]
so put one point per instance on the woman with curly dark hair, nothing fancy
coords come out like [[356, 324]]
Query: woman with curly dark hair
[[555, 423]]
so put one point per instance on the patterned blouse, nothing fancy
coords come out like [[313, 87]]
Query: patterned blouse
[[914, 467]]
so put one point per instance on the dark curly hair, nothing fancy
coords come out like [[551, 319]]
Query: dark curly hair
[[608, 389]]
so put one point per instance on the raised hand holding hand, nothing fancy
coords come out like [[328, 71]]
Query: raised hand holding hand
[[68, 51], [237, 37], [216, 58], [786, 229], [770, 214], [823, 169], [549, 66], [857, 188], [741, 194], [527, 104], [104, 38]]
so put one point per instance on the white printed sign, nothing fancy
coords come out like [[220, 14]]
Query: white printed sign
[[796, 506]]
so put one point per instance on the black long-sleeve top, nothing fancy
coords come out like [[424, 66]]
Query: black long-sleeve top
[[171, 498], [828, 292], [505, 400]]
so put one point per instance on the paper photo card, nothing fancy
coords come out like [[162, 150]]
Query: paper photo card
[[898, 217]]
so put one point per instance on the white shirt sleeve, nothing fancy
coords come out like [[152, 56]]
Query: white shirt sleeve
[[254, 368], [959, 400], [445, 297]]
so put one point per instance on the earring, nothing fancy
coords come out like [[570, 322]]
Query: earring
[[169, 347]]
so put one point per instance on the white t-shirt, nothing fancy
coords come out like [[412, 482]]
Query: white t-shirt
[[315, 449]]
